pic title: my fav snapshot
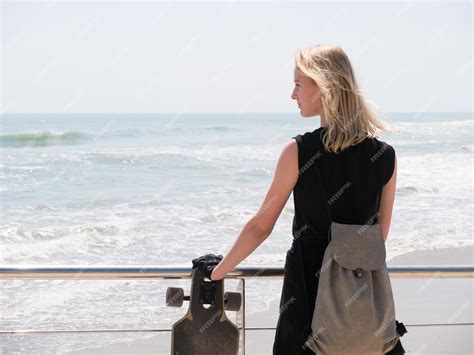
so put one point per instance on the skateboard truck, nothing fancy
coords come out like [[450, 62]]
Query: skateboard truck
[[207, 295]]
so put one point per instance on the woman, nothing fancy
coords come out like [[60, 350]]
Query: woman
[[358, 173]]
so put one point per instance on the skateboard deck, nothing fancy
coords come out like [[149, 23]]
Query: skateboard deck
[[205, 328]]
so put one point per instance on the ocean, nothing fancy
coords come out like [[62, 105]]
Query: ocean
[[162, 189]]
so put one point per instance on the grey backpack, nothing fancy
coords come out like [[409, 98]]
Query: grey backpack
[[354, 310]]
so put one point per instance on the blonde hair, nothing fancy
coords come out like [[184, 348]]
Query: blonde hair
[[349, 118]]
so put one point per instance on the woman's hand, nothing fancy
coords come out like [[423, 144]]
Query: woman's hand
[[214, 276], [206, 263]]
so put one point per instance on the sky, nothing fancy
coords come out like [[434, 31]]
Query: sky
[[124, 56]]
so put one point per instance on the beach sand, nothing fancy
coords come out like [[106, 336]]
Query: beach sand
[[444, 256], [438, 313]]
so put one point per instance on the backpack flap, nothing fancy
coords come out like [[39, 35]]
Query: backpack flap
[[357, 246]]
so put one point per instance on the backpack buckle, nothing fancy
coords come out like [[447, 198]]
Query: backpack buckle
[[400, 328]]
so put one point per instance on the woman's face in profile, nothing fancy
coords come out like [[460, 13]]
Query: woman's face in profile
[[307, 94]]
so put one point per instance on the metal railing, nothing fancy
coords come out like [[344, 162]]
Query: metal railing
[[112, 272]]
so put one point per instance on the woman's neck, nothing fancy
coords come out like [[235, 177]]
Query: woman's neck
[[322, 121]]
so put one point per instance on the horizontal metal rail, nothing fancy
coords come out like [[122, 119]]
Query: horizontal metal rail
[[68, 331], [115, 272]]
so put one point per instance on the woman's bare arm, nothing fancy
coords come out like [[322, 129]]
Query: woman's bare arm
[[260, 226], [386, 202]]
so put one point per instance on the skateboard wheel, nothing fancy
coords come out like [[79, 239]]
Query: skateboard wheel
[[174, 297], [232, 301]]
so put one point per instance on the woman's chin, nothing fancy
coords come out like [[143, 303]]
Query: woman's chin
[[304, 114]]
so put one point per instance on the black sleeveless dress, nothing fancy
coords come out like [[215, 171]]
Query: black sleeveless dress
[[353, 181]]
